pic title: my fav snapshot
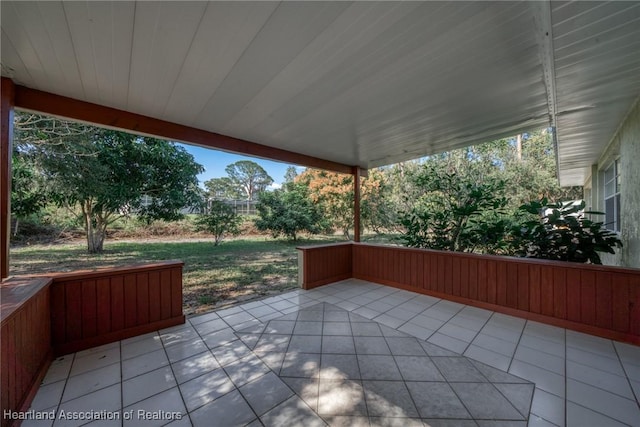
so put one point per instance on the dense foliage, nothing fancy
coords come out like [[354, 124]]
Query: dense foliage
[[333, 193], [107, 174], [245, 180], [453, 212], [563, 233], [289, 211], [219, 221], [472, 200], [28, 192], [476, 199]]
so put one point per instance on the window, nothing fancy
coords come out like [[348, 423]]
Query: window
[[612, 197]]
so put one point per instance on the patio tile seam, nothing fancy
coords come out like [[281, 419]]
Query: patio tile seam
[[626, 374], [545, 419], [517, 345], [184, 403], [603, 390], [488, 347], [541, 350], [66, 382], [476, 335], [150, 396], [604, 371], [447, 382], [486, 321], [364, 395], [617, 421]]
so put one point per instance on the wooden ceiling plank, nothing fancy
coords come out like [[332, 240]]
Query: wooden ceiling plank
[[19, 40], [59, 38], [111, 33], [290, 28], [12, 64], [226, 30], [162, 38]]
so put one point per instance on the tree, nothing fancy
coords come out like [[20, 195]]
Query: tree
[[249, 178], [334, 193], [220, 220], [376, 208], [28, 194], [222, 188], [448, 215], [107, 173], [289, 211], [291, 174]]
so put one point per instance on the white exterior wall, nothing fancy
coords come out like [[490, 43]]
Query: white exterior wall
[[625, 146]]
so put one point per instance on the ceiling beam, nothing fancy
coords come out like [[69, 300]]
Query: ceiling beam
[[69, 108]]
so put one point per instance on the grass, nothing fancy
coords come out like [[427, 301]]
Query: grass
[[212, 276]]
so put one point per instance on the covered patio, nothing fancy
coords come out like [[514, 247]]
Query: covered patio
[[377, 335], [350, 353]]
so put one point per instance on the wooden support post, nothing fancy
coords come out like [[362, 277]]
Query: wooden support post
[[356, 204], [7, 95]]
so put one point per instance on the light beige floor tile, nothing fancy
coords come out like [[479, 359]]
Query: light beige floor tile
[[91, 381], [146, 385]]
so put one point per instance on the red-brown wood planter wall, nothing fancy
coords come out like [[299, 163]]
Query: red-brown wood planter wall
[[67, 312], [97, 307], [322, 264], [599, 300], [25, 351]]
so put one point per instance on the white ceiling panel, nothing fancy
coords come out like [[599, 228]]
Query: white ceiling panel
[[597, 65], [101, 36], [223, 35], [163, 35], [359, 83]]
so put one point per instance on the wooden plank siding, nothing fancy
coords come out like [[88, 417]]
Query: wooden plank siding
[[25, 354], [97, 307], [324, 264], [61, 313], [599, 300]]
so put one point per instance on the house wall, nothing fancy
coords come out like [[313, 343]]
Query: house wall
[[624, 146]]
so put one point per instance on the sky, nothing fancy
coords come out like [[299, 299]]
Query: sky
[[215, 161]]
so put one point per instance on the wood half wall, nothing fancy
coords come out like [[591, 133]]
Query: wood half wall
[[25, 352], [599, 300], [56, 314], [322, 264], [91, 308]]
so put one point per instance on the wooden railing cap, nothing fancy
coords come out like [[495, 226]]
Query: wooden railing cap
[[325, 245], [108, 271]]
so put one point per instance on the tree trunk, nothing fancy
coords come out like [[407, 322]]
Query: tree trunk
[[95, 232], [95, 241], [519, 147], [346, 234]]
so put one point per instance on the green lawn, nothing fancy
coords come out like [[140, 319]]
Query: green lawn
[[213, 275]]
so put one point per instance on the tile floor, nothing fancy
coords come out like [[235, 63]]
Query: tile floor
[[350, 353]]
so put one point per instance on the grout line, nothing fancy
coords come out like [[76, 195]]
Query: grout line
[[624, 370], [515, 350], [121, 386], [566, 395]]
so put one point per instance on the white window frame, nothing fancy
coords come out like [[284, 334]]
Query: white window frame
[[612, 179]]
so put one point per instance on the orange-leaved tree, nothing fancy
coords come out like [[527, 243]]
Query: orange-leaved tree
[[334, 192]]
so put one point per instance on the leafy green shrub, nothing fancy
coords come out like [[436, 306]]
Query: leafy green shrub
[[220, 220], [449, 215], [289, 211], [563, 233]]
